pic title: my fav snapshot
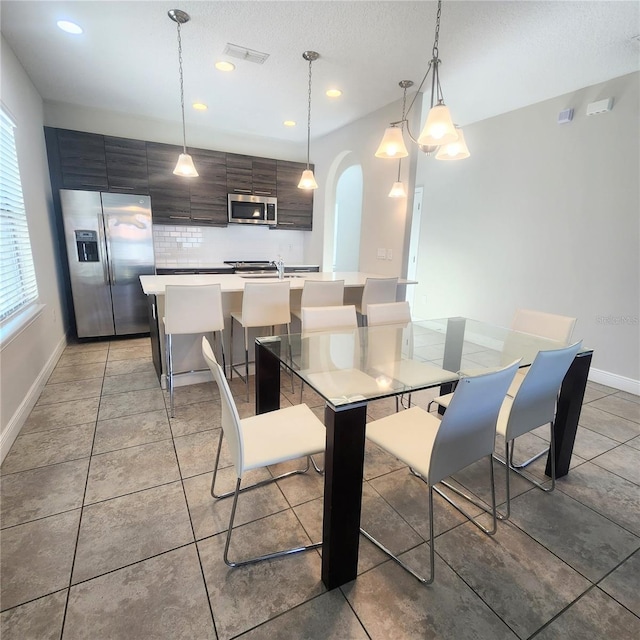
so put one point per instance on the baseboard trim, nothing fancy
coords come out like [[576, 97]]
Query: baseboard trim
[[18, 419], [613, 380]]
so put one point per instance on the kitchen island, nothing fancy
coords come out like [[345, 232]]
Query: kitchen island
[[187, 348]]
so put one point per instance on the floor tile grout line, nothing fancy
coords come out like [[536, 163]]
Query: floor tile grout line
[[588, 506], [615, 473], [75, 550], [193, 530]]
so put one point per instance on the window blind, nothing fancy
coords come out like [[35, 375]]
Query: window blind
[[18, 286]]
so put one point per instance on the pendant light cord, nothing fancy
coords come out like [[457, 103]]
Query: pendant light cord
[[184, 135], [309, 115], [433, 63]]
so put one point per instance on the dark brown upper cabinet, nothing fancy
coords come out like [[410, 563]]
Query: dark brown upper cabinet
[[126, 165], [209, 190], [170, 194], [251, 175], [295, 206], [89, 161], [82, 160]]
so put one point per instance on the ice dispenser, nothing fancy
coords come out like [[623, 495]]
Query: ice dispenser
[[87, 244]]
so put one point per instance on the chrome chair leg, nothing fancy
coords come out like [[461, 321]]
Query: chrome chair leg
[[526, 463], [417, 576], [518, 469], [267, 556], [475, 501], [169, 354]]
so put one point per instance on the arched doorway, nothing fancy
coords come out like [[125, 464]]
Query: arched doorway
[[347, 219]]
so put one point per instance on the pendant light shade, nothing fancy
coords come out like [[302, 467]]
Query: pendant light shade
[[184, 166], [392, 145], [307, 180], [398, 191], [439, 128], [456, 150]]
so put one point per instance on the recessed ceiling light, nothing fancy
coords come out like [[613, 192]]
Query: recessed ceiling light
[[69, 27], [334, 93], [223, 65], [199, 106], [289, 123]]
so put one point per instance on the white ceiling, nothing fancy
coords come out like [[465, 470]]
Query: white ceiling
[[496, 56]]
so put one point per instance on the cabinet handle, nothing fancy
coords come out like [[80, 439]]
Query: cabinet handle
[[194, 218], [283, 223], [179, 217], [242, 190], [119, 186], [262, 193]]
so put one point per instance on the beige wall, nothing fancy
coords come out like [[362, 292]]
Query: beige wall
[[543, 216], [27, 359]]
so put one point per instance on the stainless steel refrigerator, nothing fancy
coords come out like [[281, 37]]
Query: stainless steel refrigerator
[[109, 245]]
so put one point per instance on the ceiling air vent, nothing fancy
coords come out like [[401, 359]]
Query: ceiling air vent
[[245, 54]]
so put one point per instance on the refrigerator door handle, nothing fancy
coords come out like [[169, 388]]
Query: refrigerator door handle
[[103, 246], [112, 275]]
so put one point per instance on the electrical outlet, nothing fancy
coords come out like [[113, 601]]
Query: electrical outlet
[[389, 254]]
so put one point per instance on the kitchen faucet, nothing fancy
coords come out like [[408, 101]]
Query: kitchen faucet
[[279, 265]]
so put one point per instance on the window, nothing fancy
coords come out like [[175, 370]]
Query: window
[[18, 287]]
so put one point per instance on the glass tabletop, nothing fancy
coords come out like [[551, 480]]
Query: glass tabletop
[[354, 365]]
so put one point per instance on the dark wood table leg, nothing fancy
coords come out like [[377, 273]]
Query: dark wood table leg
[[568, 413], [344, 461], [452, 357], [267, 379]]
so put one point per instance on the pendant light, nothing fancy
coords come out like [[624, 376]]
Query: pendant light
[[307, 180], [439, 129], [456, 150], [184, 166], [398, 190]]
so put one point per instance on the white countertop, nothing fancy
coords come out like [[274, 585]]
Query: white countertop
[[229, 283]]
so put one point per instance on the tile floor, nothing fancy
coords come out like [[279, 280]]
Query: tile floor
[[108, 529]]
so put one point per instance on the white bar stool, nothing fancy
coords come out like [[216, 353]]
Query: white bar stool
[[320, 293], [376, 291], [264, 304], [191, 309]]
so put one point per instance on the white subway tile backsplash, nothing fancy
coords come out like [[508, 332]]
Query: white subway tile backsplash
[[194, 246]]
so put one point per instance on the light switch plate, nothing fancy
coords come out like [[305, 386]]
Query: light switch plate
[[389, 254], [382, 254]]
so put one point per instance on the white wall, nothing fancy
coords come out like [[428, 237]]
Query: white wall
[[543, 216], [27, 359]]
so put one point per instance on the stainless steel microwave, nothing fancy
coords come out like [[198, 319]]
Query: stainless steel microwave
[[253, 209]]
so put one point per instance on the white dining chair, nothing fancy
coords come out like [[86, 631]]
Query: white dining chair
[[525, 321], [376, 291], [392, 314], [320, 293], [435, 449], [533, 406], [190, 309], [259, 441], [264, 304], [322, 319]]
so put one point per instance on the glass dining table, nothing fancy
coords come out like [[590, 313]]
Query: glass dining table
[[350, 368]]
